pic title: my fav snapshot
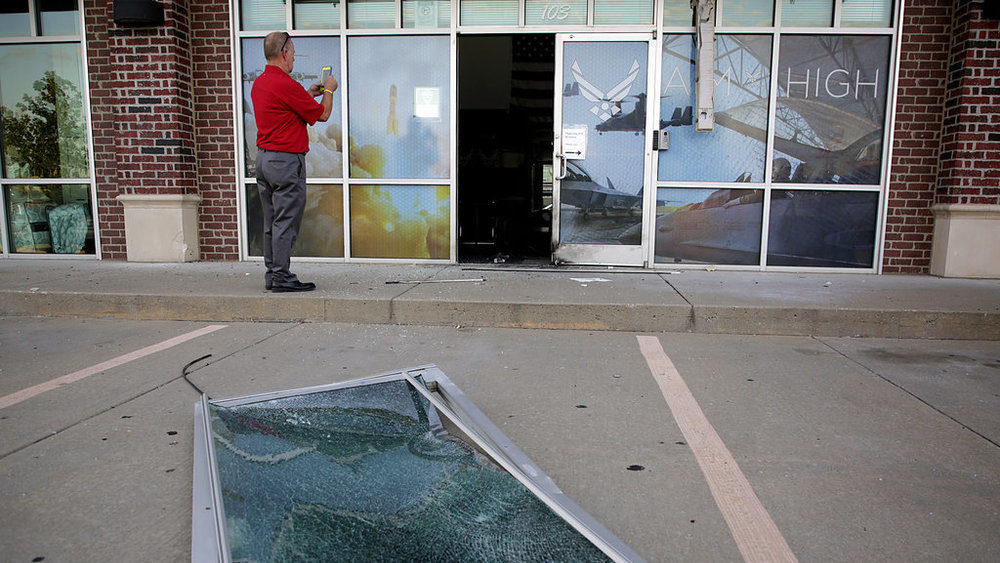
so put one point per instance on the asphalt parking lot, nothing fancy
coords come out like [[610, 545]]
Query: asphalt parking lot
[[857, 449]]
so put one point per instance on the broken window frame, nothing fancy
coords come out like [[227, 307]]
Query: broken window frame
[[208, 530]]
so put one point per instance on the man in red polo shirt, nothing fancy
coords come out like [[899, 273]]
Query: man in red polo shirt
[[282, 108]]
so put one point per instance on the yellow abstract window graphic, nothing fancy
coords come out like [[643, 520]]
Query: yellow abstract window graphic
[[400, 221]]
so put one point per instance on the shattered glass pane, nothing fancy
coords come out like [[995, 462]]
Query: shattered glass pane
[[370, 473]]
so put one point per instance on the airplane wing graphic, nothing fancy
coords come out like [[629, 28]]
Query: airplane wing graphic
[[617, 93], [588, 90]]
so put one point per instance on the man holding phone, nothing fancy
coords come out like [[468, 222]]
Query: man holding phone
[[282, 108]]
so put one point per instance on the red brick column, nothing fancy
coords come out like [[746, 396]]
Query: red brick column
[[921, 89], [154, 118], [970, 141], [110, 216], [214, 129], [161, 106]]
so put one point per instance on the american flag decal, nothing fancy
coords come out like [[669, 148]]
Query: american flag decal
[[533, 76]]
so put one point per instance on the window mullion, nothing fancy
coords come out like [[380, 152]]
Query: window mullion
[[33, 18]]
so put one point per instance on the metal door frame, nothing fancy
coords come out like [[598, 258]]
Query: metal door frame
[[605, 254]]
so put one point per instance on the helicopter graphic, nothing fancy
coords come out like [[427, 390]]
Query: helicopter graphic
[[679, 118], [634, 120]]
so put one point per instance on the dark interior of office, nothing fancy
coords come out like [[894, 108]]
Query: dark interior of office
[[505, 113]]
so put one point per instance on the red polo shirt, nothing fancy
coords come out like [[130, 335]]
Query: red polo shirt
[[282, 108]]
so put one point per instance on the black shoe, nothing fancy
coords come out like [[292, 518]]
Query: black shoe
[[293, 286], [268, 285]]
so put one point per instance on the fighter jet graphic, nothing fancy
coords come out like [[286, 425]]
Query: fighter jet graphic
[[606, 105]]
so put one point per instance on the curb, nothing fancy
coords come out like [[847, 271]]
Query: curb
[[629, 317]]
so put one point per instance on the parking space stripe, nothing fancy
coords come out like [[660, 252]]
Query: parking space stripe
[[756, 535], [32, 391]]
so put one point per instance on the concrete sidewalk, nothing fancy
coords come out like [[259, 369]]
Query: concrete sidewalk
[[708, 302]]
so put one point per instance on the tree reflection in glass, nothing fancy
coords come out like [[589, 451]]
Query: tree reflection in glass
[[44, 134], [44, 129]]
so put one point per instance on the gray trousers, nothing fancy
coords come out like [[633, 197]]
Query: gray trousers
[[281, 185]]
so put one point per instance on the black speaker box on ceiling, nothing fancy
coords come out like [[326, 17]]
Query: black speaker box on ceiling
[[991, 9], [138, 12]]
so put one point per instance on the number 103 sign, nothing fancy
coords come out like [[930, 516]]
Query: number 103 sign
[[550, 12], [556, 11]]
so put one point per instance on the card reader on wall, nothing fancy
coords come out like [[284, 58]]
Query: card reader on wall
[[661, 139]]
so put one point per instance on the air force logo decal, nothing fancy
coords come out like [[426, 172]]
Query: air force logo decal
[[607, 105]]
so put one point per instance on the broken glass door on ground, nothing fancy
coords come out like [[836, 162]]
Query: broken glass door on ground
[[372, 470]]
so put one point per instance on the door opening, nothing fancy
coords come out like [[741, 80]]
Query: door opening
[[505, 109]]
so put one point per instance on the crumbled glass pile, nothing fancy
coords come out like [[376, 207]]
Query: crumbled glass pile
[[369, 473]]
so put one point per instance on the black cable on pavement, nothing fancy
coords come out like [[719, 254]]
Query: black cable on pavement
[[184, 372]]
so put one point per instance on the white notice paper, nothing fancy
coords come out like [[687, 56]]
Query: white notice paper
[[427, 102], [574, 142]]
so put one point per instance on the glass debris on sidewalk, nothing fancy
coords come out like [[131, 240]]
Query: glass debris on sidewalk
[[400, 466]]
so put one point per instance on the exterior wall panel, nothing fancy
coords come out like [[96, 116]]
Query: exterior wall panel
[[110, 215], [921, 87], [162, 117], [213, 129], [970, 139]]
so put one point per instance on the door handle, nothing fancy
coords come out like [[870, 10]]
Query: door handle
[[562, 166]]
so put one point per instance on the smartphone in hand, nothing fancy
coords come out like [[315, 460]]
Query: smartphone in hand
[[327, 71]]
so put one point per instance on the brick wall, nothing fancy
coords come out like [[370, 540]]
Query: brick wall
[[214, 129], [970, 142], [154, 120], [161, 108], [111, 220], [921, 91]]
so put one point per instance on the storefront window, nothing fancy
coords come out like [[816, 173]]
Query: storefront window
[[489, 12], [325, 156], [623, 12], [316, 14], [720, 226], [807, 13], [50, 218], [551, 12], [44, 132], [736, 146], [266, 15], [322, 232], [399, 107], [677, 13], [756, 13], [58, 17], [400, 221], [822, 228], [426, 13], [830, 114], [371, 13], [44, 128], [866, 13], [14, 19], [825, 130]]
